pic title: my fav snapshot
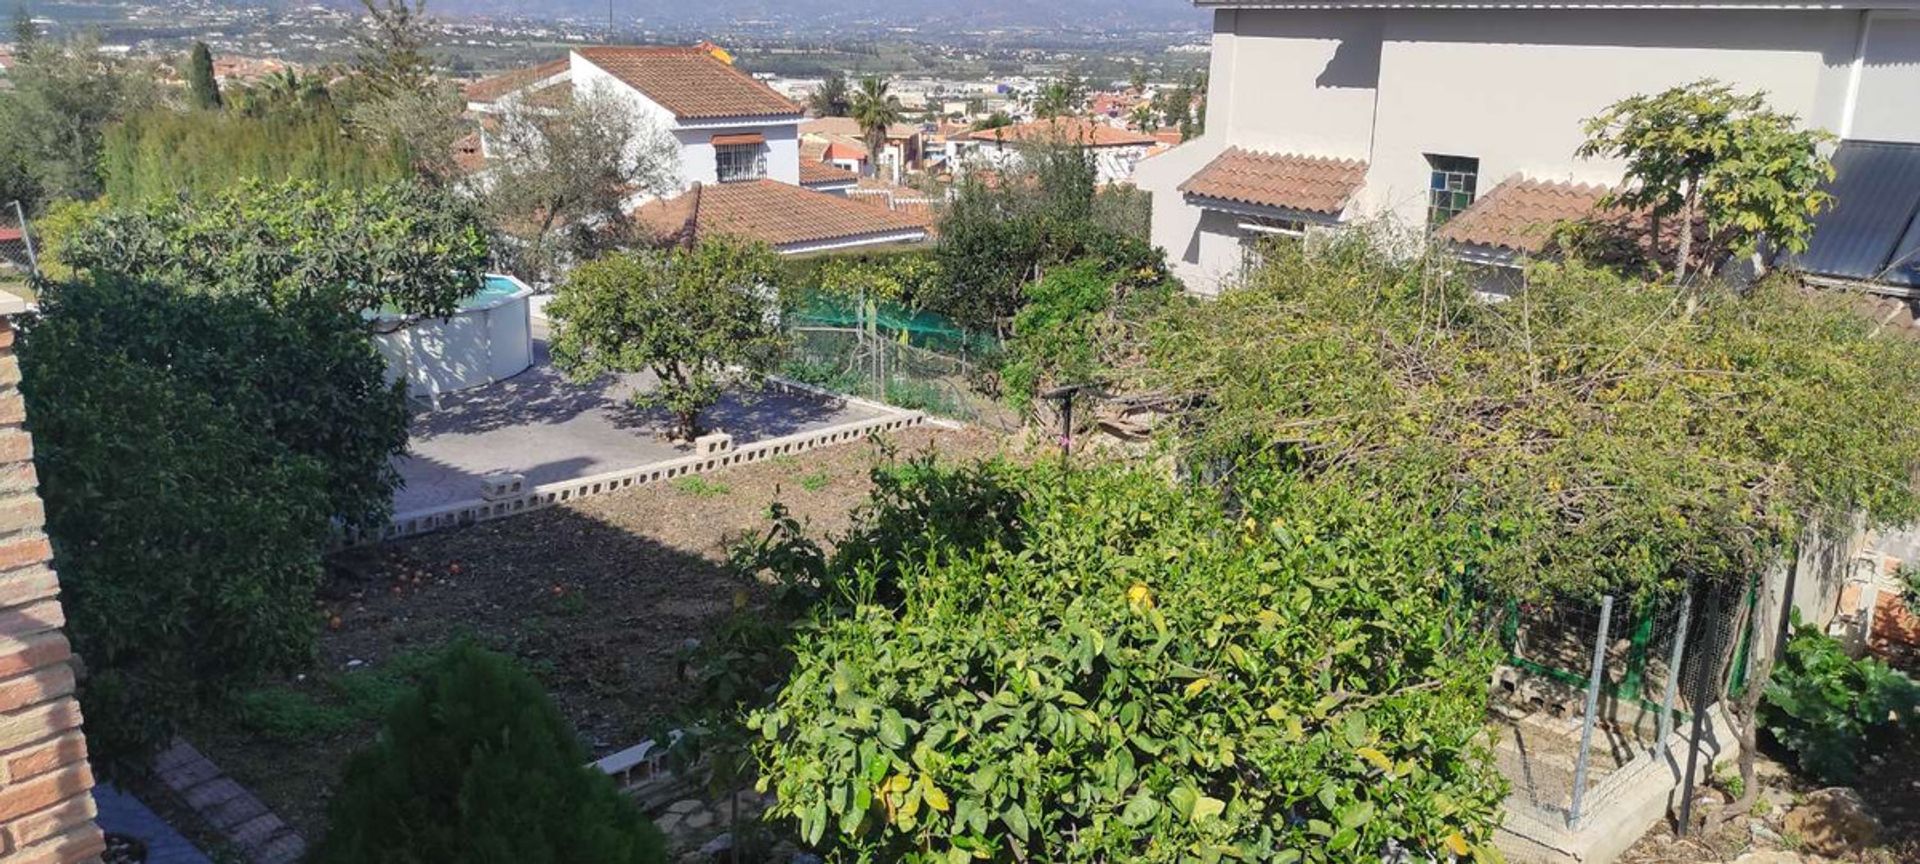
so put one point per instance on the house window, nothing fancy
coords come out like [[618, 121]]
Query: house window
[[748, 162], [1260, 234], [1451, 183]]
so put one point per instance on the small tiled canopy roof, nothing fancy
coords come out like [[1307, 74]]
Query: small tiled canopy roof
[[815, 173], [490, 89], [1313, 184], [771, 212], [690, 82], [1070, 130], [1519, 214]]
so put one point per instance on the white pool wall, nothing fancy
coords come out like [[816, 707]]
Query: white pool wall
[[475, 346]]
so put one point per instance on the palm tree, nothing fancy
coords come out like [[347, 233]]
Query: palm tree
[[1144, 118], [875, 109]]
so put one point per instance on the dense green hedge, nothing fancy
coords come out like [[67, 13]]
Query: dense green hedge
[[478, 766], [1024, 664], [194, 452], [163, 152]]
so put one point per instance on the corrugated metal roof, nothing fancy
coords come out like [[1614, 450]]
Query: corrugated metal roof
[[1871, 233]]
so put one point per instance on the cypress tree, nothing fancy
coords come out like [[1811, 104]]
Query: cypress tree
[[202, 89], [479, 767]]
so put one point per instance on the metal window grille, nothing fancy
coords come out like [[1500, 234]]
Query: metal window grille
[[746, 162]]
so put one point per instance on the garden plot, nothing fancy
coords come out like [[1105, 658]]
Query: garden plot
[[599, 597]]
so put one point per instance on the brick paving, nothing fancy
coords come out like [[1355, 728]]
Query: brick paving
[[123, 814], [227, 807]]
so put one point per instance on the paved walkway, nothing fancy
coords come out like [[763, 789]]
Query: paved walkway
[[539, 425], [123, 814]]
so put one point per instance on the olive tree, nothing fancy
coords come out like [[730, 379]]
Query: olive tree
[[700, 318], [1720, 164], [558, 185]]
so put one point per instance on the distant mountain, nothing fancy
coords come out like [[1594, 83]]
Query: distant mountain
[[947, 14]]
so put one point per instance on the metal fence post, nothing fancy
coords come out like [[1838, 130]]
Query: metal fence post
[[33, 263], [1675, 656], [1593, 707]]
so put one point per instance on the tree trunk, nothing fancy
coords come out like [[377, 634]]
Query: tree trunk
[[1687, 205], [687, 424], [1745, 712]]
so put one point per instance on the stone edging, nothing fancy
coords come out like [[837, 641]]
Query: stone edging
[[425, 521], [228, 807]]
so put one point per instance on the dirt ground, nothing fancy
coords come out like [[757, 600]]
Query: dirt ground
[[599, 598]]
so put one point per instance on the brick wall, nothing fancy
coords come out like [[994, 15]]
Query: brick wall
[[46, 808]]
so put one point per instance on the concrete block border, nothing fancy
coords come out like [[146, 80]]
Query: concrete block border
[[462, 513], [227, 807]]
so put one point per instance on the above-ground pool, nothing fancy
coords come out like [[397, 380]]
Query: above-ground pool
[[487, 339]]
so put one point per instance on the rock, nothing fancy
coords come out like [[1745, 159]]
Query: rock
[[1764, 836], [804, 858], [685, 806], [717, 846], [1833, 822], [1770, 856], [698, 819], [668, 824]]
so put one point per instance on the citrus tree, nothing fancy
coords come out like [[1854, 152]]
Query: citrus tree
[[1016, 663], [701, 319]]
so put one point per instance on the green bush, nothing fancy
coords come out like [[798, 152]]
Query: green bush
[[478, 766], [1834, 711], [164, 152], [186, 510], [1015, 663], [1058, 336]]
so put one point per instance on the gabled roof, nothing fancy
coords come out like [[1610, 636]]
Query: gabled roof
[[490, 89], [1519, 214], [816, 173], [851, 127], [690, 82], [1872, 232], [1312, 184], [774, 213], [1068, 130]]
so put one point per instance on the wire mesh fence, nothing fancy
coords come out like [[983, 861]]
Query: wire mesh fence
[[873, 364], [1594, 689], [18, 257]]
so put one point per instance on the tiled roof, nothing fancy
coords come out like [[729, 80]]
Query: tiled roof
[[490, 89], [814, 172], [1070, 130], [690, 82], [1519, 214], [556, 96], [851, 127], [771, 212], [1311, 183]]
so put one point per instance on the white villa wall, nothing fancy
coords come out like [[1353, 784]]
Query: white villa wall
[[1508, 87], [1888, 107], [1511, 88], [695, 137]]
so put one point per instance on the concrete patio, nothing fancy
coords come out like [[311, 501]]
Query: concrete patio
[[539, 425]]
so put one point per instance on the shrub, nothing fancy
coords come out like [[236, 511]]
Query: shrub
[[186, 533], [1834, 711], [479, 766], [1015, 663], [1059, 335]]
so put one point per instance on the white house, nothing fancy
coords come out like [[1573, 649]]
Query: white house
[[727, 127], [1464, 117], [1115, 151]]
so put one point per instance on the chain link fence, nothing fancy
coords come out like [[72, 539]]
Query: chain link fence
[[18, 257], [885, 368], [1594, 689]]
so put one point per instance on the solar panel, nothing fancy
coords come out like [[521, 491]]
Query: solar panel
[[1871, 232]]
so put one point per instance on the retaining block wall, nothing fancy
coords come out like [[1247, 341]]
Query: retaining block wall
[[46, 804]]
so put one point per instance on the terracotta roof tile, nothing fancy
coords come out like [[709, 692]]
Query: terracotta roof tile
[[1519, 214], [690, 82], [1071, 130], [490, 89], [1313, 184], [851, 128], [771, 212], [814, 172]]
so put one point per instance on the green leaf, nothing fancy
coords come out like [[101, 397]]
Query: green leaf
[[1205, 808], [1141, 810]]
